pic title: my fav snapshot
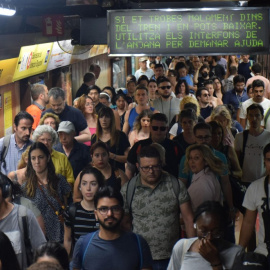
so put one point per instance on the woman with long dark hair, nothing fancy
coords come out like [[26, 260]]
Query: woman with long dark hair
[[47, 190]]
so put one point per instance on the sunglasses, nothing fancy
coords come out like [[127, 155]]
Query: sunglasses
[[156, 128], [165, 87], [205, 95]]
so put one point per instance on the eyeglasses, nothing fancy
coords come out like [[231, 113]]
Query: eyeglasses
[[214, 234], [117, 209], [156, 128], [203, 138], [89, 104], [205, 95], [165, 87], [148, 168], [45, 140]]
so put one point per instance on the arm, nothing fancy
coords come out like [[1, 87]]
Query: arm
[[227, 191], [131, 137], [67, 239], [130, 170], [247, 228], [84, 136], [187, 214], [77, 195], [243, 122], [123, 177], [117, 120], [236, 169], [126, 124], [120, 158], [40, 221]]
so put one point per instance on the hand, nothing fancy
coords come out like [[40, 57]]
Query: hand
[[209, 252]]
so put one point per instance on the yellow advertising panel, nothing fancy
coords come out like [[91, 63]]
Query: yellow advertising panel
[[8, 112], [32, 60], [7, 68]]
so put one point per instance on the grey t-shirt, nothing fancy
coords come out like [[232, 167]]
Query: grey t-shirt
[[10, 226]]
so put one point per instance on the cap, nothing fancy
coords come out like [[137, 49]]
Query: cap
[[66, 126], [142, 59]]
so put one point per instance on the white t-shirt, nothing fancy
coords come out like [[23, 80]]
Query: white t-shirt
[[243, 109], [253, 166], [255, 199]]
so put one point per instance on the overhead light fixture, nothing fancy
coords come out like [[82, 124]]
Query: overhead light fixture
[[7, 10]]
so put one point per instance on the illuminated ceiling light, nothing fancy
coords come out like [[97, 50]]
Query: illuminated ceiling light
[[7, 10]]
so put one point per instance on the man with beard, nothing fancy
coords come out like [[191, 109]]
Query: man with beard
[[237, 95], [110, 247], [13, 146], [166, 103], [215, 68], [258, 89]]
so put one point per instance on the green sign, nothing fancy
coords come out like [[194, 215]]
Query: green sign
[[192, 31]]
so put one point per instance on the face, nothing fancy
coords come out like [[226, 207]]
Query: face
[[217, 137], [150, 170], [239, 87], [141, 96], [222, 120], [144, 82], [109, 213], [250, 93], [172, 78], [196, 161], [94, 94], [152, 66], [57, 105], [204, 98], [254, 117], [210, 59], [196, 62], [203, 136], [152, 87], [105, 122], [245, 58], [39, 161], [159, 72], [182, 72], [182, 88], [165, 89], [66, 139], [100, 158], [142, 65], [89, 186], [187, 124], [267, 162], [23, 131], [258, 93], [217, 84], [158, 131], [50, 122], [210, 88], [145, 121], [89, 106], [46, 139], [208, 227], [131, 87], [120, 103]]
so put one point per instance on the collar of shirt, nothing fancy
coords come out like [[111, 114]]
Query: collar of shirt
[[39, 106]]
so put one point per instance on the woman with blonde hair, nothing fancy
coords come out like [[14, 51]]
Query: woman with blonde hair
[[141, 128], [86, 105], [222, 115], [204, 165], [19, 175], [50, 119]]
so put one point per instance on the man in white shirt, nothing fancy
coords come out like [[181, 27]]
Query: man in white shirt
[[144, 70]]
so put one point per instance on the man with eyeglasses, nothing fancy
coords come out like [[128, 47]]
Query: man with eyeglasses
[[237, 95], [154, 199], [203, 135], [166, 103], [203, 96], [158, 134], [110, 247]]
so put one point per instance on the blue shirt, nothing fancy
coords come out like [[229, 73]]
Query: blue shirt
[[231, 97], [73, 115], [13, 156]]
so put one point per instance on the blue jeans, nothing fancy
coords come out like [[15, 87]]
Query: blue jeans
[[160, 264]]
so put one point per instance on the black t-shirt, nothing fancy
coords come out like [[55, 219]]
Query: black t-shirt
[[218, 71], [205, 112], [181, 142]]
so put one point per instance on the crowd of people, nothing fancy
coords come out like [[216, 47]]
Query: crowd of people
[[150, 176]]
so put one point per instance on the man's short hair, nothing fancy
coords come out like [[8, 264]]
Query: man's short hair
[[257, 83], [180, 65], [256, 68], [94, 87], [57, 92], [214, 57], [232, 69], [142, 78], [202, 125], [108, 192], [188, 113], [238, 78], [158, 66], [255, 106], [131, 81], [88, 77], [141, 87], [203, 67], [36, 90], [148, 151], [22, 115], [162, 79], [199, 91], [159, 117]]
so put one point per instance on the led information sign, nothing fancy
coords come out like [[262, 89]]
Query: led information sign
[[192, 31]]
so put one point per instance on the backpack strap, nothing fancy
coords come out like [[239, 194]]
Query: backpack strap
[[266, 116], [85, 245], [4, 151], [72, 209], [242, 156], [140, 250]]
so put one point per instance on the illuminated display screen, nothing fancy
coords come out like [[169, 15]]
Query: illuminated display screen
[[188, 31]]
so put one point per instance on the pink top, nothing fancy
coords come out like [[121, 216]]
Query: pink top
[[92, 131]]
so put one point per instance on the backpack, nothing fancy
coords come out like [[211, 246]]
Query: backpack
[[88, 239], [23, 225], [4, 150], [250, 260]]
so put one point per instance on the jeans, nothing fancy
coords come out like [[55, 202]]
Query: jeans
[[160, 264]]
